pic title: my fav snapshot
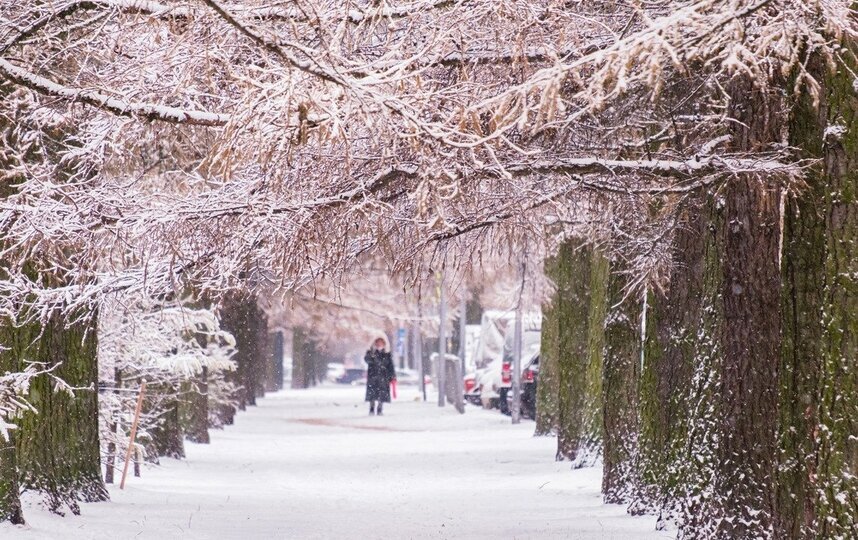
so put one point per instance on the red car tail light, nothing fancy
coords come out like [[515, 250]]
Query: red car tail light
[[506, 373], [528, 376]]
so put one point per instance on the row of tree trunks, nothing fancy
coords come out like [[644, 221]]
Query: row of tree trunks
[[748, 391]]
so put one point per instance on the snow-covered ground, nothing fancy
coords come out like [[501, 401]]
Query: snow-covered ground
[[313, 464]]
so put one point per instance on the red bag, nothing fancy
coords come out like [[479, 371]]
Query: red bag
[[393, 388]]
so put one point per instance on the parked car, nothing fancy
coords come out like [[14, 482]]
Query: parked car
[[472, 390], [528, 385], [408, 377], [487, 383], [335, 371], [529, 381], [353, 376], [530, 342]]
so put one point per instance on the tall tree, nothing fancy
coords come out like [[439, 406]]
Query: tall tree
[[548, 389], [747, 397]]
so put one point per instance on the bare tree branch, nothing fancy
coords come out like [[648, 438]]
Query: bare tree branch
[[147, 111]]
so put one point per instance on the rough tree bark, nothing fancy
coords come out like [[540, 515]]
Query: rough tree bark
[[10, 505], [744, 505], [620, 377], [548, 389], [818, 473], [677, 440], [58, 448], [582, 305]]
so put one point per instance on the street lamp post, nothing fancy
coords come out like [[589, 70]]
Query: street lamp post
[[442, 344], [516, 368]]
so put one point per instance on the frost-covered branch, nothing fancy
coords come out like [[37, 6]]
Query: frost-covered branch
[[99, 100]]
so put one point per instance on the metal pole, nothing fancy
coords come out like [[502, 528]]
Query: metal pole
[[418, 357], [463, 307], [442, 344], [516, 369]]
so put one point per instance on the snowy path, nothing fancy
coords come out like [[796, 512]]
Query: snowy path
[[312, 464]]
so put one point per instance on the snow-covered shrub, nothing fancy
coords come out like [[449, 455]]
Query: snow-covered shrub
[[166, 343]]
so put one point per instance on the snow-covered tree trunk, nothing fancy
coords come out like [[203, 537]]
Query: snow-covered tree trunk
[[582, 304], [10, 505], [621, 375], [744, 503], [548, 389], [818, 491], [196, 409], [681, 354], [58, 447], [167, 436]]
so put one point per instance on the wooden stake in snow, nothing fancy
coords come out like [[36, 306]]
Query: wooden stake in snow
[[133, 434]]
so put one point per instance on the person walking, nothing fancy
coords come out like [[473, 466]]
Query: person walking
[[379, 374]]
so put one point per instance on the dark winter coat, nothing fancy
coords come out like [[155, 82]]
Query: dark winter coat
[[379, 373]]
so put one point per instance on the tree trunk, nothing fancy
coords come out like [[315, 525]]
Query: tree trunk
[[167, 436], [621, 373], [262, 351], [299, 353], [681, 361], [744, 502], [275, 374], [818, 495], [110, 458], [241, 316], [58, 448], [10, 504], [581, 306], [195, 419], [838, 435], [548, 388]]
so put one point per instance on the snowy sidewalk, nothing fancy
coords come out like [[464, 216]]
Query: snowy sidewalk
[[312, 464]]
